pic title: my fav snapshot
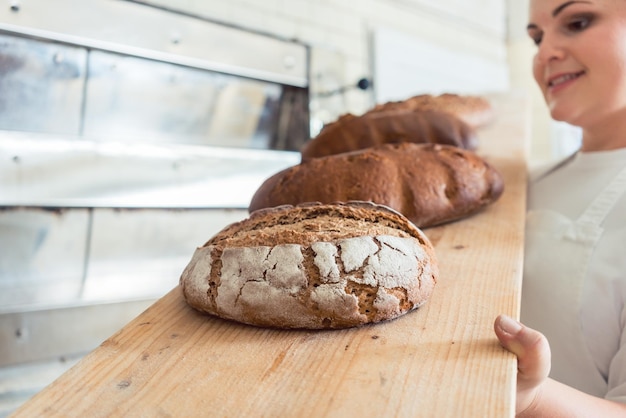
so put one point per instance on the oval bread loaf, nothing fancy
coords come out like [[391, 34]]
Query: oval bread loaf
[[313, 266], [476, 111], [350, 133], [429, 184]]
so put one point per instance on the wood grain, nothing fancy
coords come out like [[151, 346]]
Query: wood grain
[[442, 360]]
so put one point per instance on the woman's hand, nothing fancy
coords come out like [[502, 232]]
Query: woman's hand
[[538, 395], [533, 359]]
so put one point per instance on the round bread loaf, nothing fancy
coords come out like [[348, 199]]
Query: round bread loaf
[[350, 133], [313, 266], [429, 184], [476, 111]]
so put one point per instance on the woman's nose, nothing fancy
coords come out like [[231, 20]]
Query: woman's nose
[[549, 50]]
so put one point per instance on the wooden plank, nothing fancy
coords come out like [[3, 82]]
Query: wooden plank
[[442, 360]]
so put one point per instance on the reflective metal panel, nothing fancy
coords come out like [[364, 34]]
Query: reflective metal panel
[[42, 255], [138, 253], [52, 257], [142, 100], [141, 30], [54, 171], [73, 329], [41, 85]]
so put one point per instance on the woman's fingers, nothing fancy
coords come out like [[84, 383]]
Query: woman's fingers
[[533, 357], [530, 347]]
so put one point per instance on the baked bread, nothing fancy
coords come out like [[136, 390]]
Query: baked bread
[[476, 111], [429, 184], [313, 266], [350, 133]]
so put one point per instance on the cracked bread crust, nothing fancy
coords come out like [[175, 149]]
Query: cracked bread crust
[[313, 266]]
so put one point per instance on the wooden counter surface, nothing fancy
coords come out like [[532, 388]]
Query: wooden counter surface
[[442, 360]]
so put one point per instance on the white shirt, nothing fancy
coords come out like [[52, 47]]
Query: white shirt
[[569, 190]]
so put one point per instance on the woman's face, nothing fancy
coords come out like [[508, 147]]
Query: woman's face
[[580, 64]]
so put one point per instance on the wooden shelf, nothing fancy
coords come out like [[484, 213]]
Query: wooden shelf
[[441, 360]]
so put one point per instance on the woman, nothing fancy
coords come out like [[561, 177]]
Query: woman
[[575, 264]]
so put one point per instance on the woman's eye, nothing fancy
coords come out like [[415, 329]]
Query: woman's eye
[[536, 39], [578, 24], [534, 33]]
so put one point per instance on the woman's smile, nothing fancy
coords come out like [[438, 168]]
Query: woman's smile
[[561, 81]]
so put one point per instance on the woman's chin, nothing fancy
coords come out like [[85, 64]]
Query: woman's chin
[[562, 114]]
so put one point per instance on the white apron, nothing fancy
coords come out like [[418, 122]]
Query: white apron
[[558, 253]]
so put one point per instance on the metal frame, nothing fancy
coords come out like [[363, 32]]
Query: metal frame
[[148, 32]]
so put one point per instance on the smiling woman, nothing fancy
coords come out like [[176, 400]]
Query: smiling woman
[[576, 300], [579, 65]]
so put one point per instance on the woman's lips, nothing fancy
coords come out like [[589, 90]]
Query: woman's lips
[[561, 81]]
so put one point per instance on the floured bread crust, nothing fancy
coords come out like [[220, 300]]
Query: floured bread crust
[[313, 266]]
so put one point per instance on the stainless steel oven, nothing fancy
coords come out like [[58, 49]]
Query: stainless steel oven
[[128, 135]]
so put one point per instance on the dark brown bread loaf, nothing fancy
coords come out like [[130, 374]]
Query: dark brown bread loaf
[[476, 111], [350, 133], [313, 266], [429, 184]]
